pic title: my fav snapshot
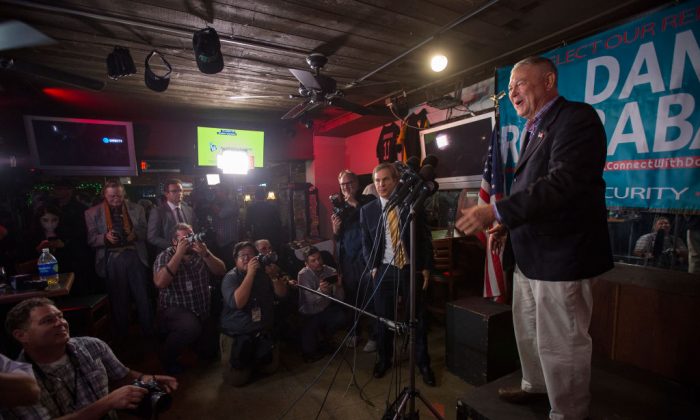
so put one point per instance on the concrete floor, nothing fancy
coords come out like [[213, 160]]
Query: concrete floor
[[297, 390]]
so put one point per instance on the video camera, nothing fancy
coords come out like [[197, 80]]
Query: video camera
[[157, 401]]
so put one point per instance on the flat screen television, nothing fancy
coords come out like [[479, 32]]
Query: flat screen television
[[74, 146], [211, 142], [461, 148]]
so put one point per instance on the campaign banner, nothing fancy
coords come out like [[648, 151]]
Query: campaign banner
[[643, 79]]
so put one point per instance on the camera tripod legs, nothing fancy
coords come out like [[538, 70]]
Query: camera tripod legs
[[396, 410]]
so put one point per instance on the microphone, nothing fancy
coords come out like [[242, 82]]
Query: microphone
[[427, 173], [426, 190], [403, 188], [431, 160], [414, 163]]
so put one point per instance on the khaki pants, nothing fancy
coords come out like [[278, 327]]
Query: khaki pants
[[240, 377]]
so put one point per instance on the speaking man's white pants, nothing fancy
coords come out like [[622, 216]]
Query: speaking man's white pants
[[551, 320]]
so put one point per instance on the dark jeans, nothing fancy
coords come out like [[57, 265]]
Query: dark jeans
[[358, 290], [384, 305], [326, 323], [180, 328], [126, 281]]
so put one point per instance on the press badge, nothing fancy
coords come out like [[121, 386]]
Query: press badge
[[188, 286], [256, 314]]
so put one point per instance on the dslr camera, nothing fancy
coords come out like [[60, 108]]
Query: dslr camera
[[267, 259], [340, 206], [196, 237], [155, 402]]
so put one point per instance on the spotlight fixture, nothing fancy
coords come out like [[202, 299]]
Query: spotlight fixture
[[271, 195]]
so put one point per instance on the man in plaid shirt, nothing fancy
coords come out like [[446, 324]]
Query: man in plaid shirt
[[75, 375], [181, 274]]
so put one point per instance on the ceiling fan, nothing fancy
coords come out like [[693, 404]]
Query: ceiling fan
[[318, 90], [15, 35]]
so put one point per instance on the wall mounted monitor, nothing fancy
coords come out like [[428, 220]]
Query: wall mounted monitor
[[212, 142], [461, 148], [75, 146]]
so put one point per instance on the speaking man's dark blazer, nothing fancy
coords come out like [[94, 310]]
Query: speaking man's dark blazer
[[161, 224], [556, 212], [371, 221]]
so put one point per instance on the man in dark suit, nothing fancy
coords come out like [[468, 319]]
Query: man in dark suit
[[387, 256], [556, 221], [162, 221], [116, 229]]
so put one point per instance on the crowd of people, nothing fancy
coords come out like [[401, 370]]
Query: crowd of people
[[229, 298]]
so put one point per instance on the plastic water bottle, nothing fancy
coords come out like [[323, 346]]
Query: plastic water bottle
[[48, 268]]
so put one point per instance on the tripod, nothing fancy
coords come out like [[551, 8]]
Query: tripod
[[408, 394]]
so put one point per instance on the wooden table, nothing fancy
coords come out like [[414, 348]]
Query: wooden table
[[65, 282]]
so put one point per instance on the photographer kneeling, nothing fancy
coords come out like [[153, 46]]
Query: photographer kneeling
[[75, 375], [247, 319], [320, 315], [181, 274]]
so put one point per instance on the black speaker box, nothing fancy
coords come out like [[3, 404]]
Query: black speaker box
[[480, 344]]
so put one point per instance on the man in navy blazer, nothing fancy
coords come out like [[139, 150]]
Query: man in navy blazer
[[556, 222], [162, 221], [379, 253]]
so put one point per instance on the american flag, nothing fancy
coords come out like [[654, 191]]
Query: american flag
[[492, 187]]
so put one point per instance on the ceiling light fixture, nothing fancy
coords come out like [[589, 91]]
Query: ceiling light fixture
[[438, 63]]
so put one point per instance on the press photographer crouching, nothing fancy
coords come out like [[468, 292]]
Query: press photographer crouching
[[74, 374], [321, 317], [182, 274], [247, 320]]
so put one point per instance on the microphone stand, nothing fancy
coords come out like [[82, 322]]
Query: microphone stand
[[408, 395], [397, 327]]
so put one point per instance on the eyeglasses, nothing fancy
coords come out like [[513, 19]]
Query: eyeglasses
[[244, 257]]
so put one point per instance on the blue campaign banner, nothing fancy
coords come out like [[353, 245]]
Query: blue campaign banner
[[643, 79]]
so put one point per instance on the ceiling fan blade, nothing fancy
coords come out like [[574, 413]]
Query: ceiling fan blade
[[330, 47], [306, 78], [372, 87], [299, 109], [258, 97], [350, 106], [16, 34], [51, 73]]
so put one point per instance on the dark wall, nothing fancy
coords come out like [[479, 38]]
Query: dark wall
[[161, 132]]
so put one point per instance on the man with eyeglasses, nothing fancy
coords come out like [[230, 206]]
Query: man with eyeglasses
[[247, 319], [162, 221], [75, 375], [117, 232], [347, 233]]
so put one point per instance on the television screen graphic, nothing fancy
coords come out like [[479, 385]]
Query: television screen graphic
[[212, 142]]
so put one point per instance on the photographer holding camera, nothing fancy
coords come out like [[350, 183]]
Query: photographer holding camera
[[347, 233], [181, 273], [75, 375], [247, 343], [320, 315]]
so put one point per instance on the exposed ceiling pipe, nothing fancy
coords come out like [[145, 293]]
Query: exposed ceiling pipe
[[502, 56], [429, 39], [224, 38]]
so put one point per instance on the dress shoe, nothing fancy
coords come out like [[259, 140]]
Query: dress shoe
[[428, 375], [380, 369], [515, 395]]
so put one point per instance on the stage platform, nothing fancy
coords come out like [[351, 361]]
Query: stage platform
[[617, 394]]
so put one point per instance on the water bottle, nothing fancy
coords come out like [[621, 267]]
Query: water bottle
[[48, 268]]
